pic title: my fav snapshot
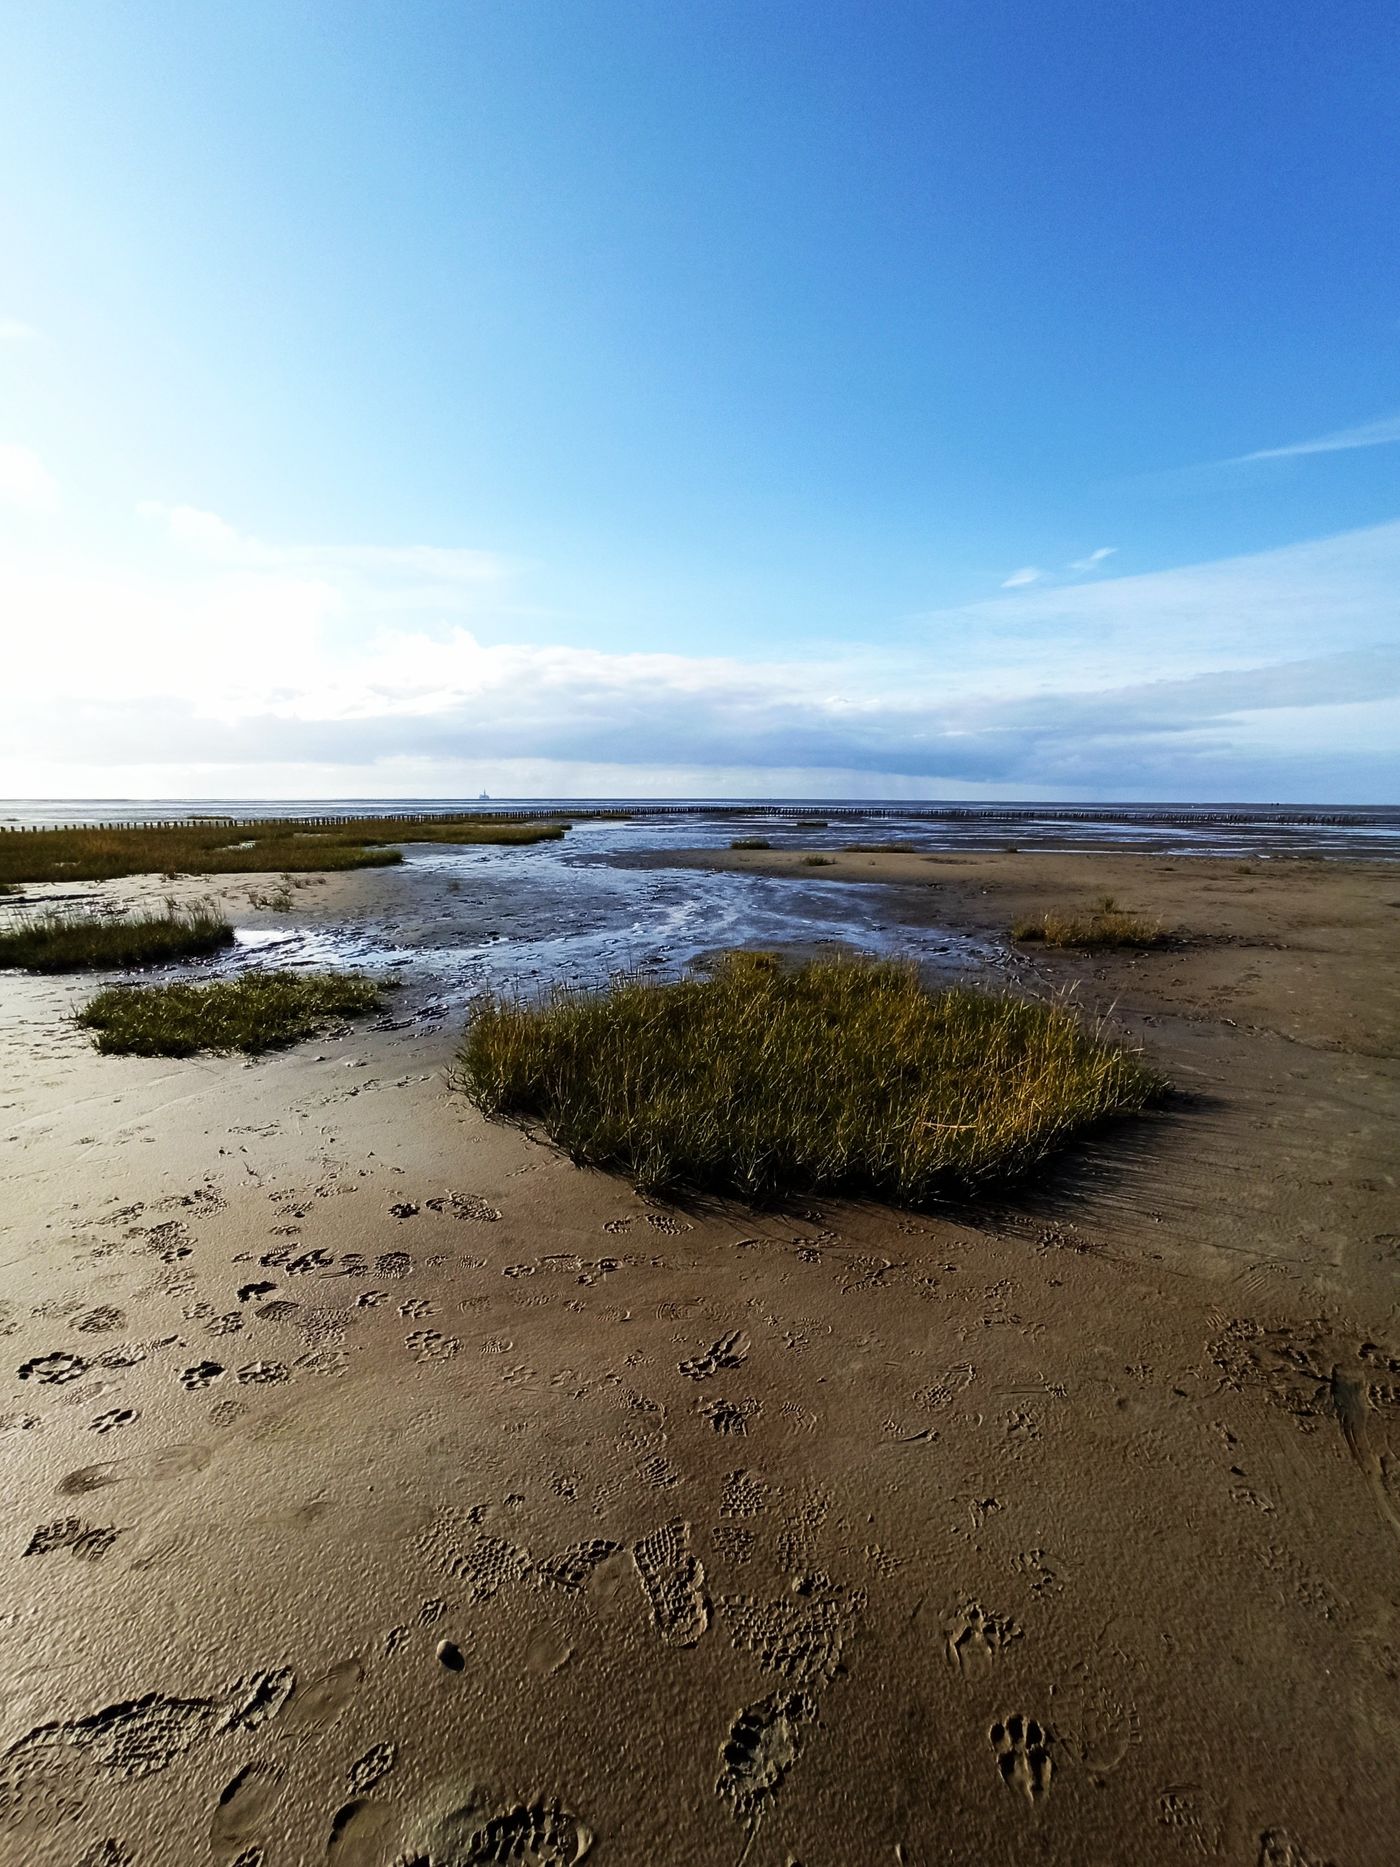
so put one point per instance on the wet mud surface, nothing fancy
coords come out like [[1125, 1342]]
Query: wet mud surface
[[381, 1489]]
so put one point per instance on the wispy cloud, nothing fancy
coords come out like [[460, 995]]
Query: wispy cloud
[[1029, 573], [25, 482], [1369, 434], [1093, 560]]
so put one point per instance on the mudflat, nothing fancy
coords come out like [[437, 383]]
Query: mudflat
[[380, 1487]]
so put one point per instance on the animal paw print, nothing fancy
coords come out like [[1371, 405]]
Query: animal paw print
[[264, 1373], [730, 1351], [416, 1307], [431, 1344], [53, 1369], [202, 1374], [975, 1637], [405, 1209], [228, 1324], [307, 1261], [1022, 1749], [371, 1299], [117, 1416], [247, 1292]]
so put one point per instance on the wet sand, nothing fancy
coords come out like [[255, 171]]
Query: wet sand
[[380, 1486]]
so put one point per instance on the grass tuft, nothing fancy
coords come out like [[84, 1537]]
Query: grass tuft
[[255, 1012], [819, 862], [284, 845], [838, 1075], [751, 842], [63, 941], [1105, 925]]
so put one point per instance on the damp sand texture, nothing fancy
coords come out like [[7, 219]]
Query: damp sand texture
[[838, 1075]]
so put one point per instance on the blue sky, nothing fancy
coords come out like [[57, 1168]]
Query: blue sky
[[939, 399]]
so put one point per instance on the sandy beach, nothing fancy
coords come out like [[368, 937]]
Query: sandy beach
[[380, 1487]]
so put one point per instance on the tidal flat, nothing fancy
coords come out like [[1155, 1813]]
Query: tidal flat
[[380, 1485]]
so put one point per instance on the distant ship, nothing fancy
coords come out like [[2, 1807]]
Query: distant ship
[[483, 797]]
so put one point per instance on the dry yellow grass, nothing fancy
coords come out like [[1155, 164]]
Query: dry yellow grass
[[1103, 925], [838, 1075]]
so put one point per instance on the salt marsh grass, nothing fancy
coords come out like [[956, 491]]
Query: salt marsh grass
[[277, 845], [257, 1011], [837, 1076], [1104, 925], [63, 940]]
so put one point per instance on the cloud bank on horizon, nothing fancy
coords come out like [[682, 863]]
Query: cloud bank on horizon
[[193, 660], [709, 398]]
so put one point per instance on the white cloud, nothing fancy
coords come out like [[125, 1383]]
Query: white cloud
[[16, 331], [1094, 559], [211, 652], [1369, 434], [25, 482], [1019, 578]]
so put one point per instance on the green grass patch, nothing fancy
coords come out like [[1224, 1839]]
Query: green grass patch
[[257, 1011], [64, 941], [1103, 925], [819, 862], [839, 1075], [278, 845], [751, 842]]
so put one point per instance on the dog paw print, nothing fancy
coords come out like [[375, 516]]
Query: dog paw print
[[53, 1369], [431, 1344], [405, 1209], [1022, 1747], [202, 1374], [117, 1416], [416, 1307], [228, 1324], [307, 1261], [264, 1373]]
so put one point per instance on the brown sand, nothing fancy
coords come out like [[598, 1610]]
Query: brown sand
[[1063, 1531]]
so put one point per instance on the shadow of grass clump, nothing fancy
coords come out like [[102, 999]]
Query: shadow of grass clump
[[62, 941], [838, 1075], [1105, 925], [259, 1011], [284, 845]]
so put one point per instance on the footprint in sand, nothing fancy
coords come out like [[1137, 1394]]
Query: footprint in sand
[[1022, 1748]]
